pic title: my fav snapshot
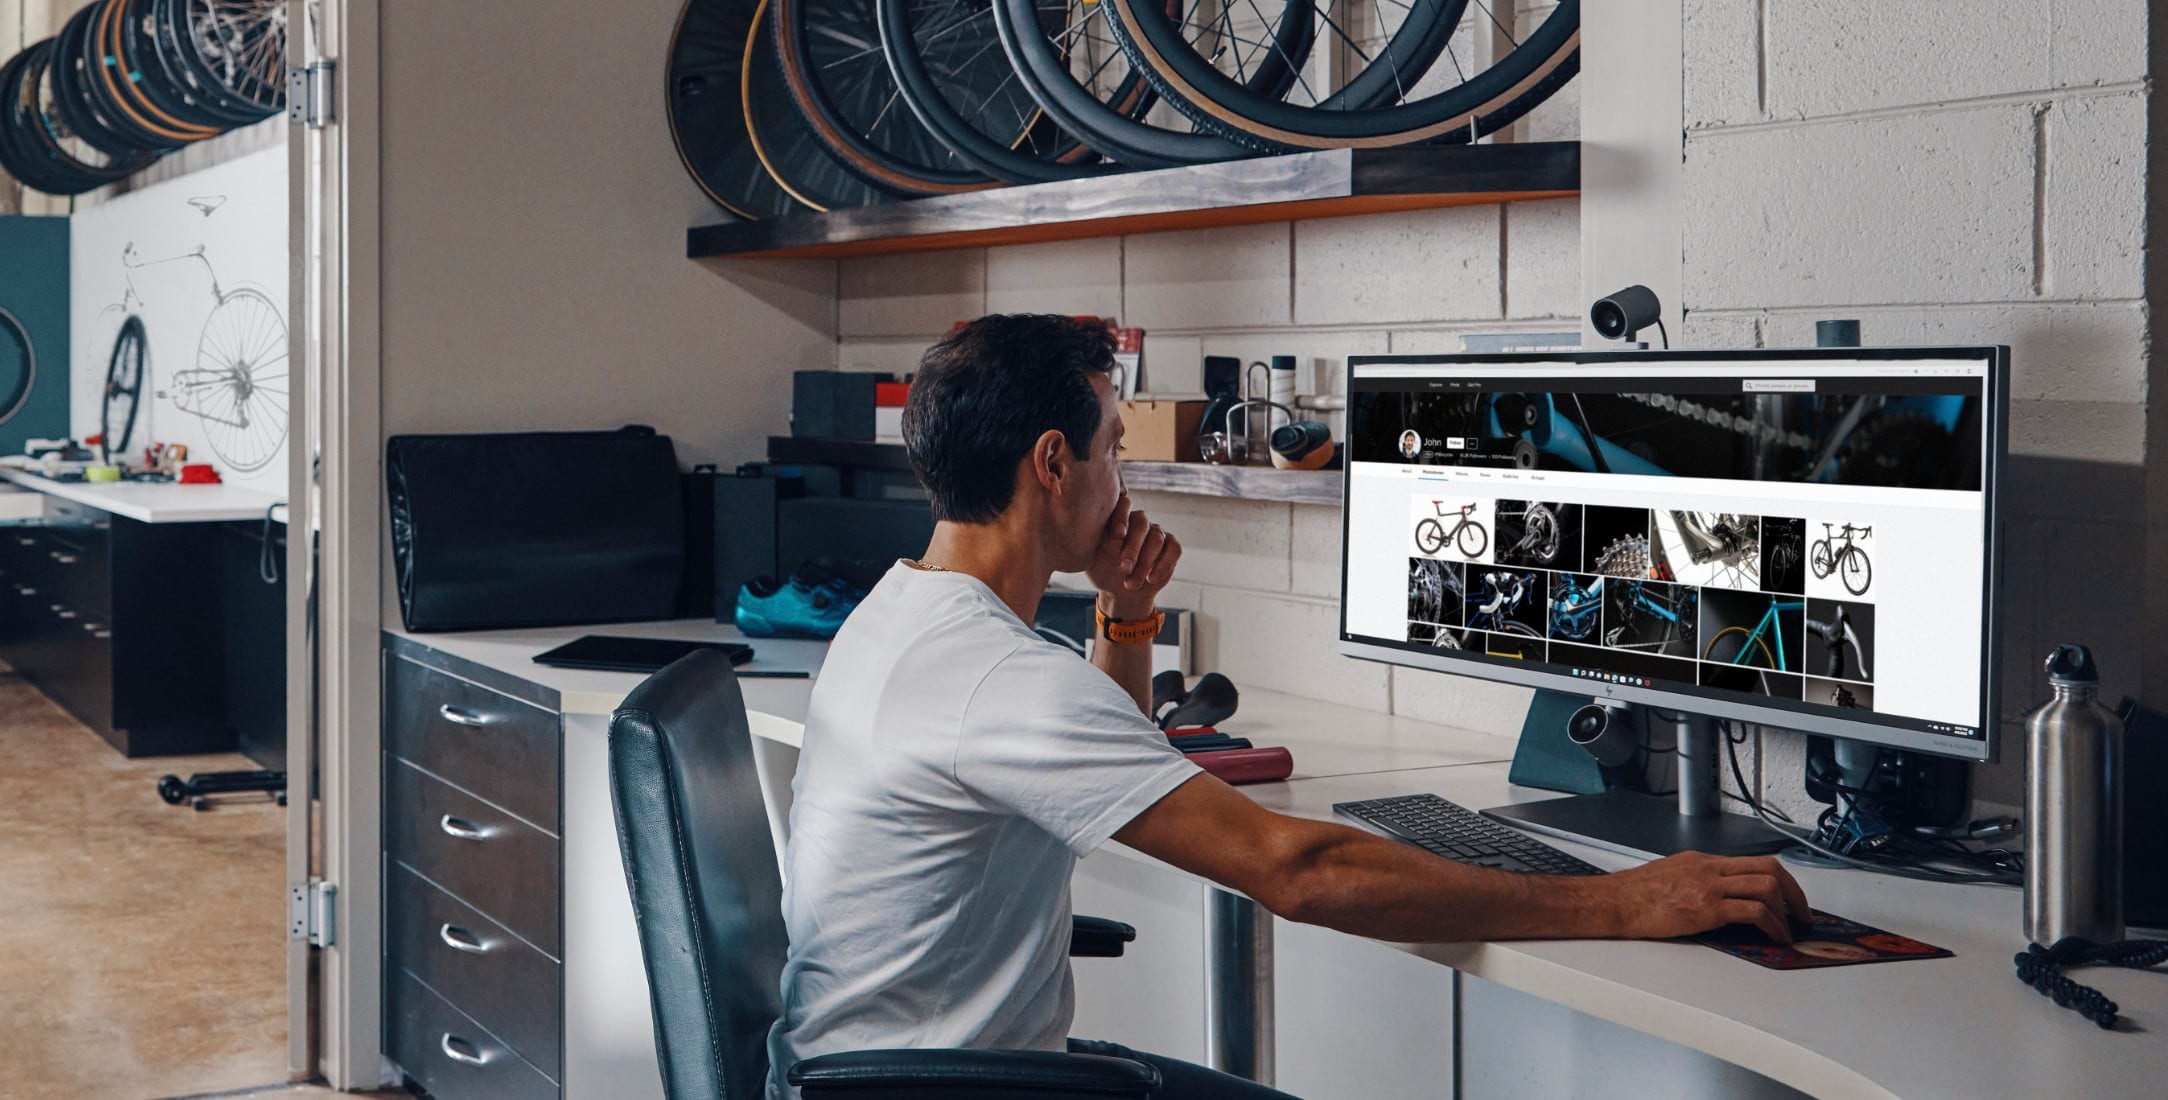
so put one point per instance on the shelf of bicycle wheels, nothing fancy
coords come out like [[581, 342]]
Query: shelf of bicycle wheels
[[1292, 187], [1191, 478]]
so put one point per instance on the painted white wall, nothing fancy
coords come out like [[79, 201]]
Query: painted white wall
[[202, 259]]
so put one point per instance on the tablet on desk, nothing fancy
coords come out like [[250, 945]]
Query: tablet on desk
[[608, 653]]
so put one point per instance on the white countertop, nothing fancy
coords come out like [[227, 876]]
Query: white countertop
[[1957, 1027], [154, 502]]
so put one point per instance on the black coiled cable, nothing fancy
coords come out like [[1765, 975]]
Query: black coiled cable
[[2042, 968]]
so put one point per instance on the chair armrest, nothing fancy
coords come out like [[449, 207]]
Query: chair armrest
[[1098, 938], [933, 1074]]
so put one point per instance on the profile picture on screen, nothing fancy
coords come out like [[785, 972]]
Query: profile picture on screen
[[1411, 444]]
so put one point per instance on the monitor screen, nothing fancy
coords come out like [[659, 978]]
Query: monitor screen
[[1798, 538]]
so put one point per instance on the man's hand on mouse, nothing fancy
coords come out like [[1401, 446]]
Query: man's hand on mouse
[[1135, 560], [1692, 892]]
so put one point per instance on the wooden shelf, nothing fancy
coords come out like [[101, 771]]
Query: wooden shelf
[[1331, 183], [1193, 478], [1240, 482]]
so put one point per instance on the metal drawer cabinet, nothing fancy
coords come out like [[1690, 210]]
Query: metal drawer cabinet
[[500, 748], [479, 853], [500, 981], [451, 1055]]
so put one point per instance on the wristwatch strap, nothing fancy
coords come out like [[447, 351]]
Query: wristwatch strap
[[1130, 630]]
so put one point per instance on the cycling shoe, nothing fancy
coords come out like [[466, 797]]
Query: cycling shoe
[[811, 604]]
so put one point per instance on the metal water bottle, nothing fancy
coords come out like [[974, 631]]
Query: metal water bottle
[[2073, 808]]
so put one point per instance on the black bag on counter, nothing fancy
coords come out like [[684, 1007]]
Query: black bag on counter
[[535, 528]]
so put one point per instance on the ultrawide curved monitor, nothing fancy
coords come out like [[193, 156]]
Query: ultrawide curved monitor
[[1803, 539]]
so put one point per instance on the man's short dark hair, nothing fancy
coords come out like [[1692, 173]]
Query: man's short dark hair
[[986, 393]]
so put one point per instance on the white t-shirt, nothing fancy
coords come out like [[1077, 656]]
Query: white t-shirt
[[956, 766]]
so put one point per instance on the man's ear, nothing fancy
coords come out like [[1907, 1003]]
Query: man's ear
[[1050, 461]]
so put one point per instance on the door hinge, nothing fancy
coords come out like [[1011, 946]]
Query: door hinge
[[309, 94], [310, 913]]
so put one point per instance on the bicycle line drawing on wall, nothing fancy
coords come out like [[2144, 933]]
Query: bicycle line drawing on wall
[[236, 388]]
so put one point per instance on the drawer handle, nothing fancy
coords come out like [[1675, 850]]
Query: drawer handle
[[459, 939], [462, 828], [69, 614], [461, 716], [460, 1050], [65, 559]]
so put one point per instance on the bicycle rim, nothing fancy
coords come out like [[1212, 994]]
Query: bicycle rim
[[242, 403], [836, 73], [781, 138], [1856, 564], [1429, 536], [123, 387], [946, 57], [20, 360], [1480, 103], [1481, 538], [707, 113], [1044, 65]]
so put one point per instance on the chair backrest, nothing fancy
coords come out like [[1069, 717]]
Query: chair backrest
[[701, 866]]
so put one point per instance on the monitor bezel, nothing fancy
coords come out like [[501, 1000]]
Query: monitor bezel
[[1994, 422]]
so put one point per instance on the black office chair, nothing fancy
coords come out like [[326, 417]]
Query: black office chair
[[708, 898]]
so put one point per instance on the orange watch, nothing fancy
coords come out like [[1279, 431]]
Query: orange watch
[[1130, 630]]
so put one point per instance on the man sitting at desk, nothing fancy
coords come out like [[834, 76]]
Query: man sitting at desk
[[957, 765]]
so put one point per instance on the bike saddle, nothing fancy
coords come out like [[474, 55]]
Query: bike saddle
[[1209, 703], [1168, 687]]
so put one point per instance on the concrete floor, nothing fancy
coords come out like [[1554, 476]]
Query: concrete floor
[[142, 946]]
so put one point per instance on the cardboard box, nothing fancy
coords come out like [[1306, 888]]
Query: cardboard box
[[1161, 431]]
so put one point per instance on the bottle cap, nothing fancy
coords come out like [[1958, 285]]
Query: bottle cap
[[2072, 664]]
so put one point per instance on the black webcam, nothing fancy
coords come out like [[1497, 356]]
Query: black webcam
[[1622, 316]]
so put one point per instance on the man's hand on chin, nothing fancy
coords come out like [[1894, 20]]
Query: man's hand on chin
[[1135, 560]]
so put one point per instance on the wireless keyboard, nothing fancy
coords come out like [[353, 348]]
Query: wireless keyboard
[[1446, 829]]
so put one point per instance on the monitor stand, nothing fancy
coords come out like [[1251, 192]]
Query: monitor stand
[[1640, 824]]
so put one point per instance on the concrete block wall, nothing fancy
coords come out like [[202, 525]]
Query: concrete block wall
[[1264, 577], [1963, 173]]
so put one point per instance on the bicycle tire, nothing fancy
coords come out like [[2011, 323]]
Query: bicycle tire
[[1514, 626], [53, 168], [129, 350], [17, 394], [848, 98], [168, 25], [1538, 66], [1133, 142], [781, 138], [1821, 559], [1432, 532], [115, 81], [144, 54], [1029, 154], [1482, 539], [98, 123], [237, 47], [707, 112], [1708, 653], [1866, 571]]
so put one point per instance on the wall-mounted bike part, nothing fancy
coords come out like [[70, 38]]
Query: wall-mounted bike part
[[781, 138], [18, 366], [123, 395], [707, 111], [1196, 61]]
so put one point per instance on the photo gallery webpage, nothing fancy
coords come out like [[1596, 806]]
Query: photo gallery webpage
[[1803, 534]]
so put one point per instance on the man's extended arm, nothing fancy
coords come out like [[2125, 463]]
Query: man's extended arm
[[1343, 878]]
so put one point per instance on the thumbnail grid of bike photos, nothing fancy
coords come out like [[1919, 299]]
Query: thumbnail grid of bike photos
[[1770, 605]]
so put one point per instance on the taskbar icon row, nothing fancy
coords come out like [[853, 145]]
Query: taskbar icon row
[[1613, 677]]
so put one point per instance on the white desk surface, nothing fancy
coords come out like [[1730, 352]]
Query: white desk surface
[[154, 502], [1957, 1027]]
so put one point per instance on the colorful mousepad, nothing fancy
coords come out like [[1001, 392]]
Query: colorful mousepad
[[1832, 941]]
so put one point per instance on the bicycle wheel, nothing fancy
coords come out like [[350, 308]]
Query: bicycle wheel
[[18, 366], [707, 114], [1387, 103], [946, 57], [1429, 536], [123, 388], [58, 160], [97, 121], [1071, 71], [834, 68], [1857, 571], [1744, 648], [781, 138], [238, 387], [1472, 539], [239, 47], [1820, 560]]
